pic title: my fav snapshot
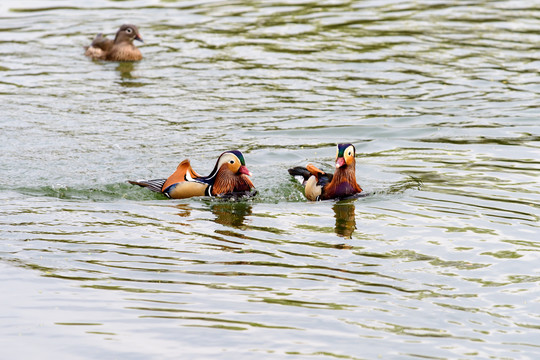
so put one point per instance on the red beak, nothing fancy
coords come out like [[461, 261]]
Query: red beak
[[244, 170], [340, 162]]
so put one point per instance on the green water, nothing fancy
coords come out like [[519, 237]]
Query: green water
[[440, 261]]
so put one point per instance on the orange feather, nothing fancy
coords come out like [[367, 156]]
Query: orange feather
[[314, 170], [183, 169], [228, 182]]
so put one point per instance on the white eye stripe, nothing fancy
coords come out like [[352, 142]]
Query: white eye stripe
[[129, 30], [228, 158]]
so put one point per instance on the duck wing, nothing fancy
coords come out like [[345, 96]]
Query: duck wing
[[322, 178], [300, 173], [184, 172], [100, 42]]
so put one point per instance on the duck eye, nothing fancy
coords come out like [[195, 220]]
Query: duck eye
[[129, 30], [350, 153], [231, 161]]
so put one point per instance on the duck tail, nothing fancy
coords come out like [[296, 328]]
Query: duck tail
[[98, 39], [300, 173], [154, 185]]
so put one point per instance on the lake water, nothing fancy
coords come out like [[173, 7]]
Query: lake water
[[441, 261]]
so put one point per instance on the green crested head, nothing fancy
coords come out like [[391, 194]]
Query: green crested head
[[239, 155], [341, 148], [345, 155]]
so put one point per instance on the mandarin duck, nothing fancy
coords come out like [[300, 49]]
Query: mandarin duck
[[229, 178], [119, 49], [323, 186]]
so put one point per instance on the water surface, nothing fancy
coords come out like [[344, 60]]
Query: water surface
[[440, 261]]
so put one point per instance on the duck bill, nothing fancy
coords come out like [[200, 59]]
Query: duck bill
[[244, 170], [340, 162], [139, 38]]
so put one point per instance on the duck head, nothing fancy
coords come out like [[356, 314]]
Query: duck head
[[230, 174], [345, 155], [127, 33], [231, 162]]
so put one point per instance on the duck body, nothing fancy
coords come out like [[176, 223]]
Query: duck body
[[119, 49], [229, 178], [342, 184]]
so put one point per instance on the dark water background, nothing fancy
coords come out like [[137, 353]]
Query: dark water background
[[440, 98]]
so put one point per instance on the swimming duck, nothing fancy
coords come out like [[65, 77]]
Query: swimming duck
[[119, 49], [229, 178], [322, 186]]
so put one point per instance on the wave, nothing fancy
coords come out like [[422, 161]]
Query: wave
[[289, 191]]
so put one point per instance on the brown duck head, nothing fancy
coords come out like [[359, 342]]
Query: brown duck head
[[127, 33]]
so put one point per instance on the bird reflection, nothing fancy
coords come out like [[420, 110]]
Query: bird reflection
[[126, 79], [344, 211], [231, 213], [125, 69], [184, 210]]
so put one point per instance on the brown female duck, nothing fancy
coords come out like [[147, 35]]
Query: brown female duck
[[229, 178], [322, 186], [119, 49]]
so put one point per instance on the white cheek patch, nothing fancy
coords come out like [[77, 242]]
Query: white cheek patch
[[225, 159]]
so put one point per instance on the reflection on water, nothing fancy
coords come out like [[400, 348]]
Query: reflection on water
[[344, 212], [125, 69], [127, 79], [231, 213], [184, 210], [440, 98]]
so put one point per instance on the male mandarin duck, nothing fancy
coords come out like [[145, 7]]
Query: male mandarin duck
[[119, 49], [322, 186], [229, 178]]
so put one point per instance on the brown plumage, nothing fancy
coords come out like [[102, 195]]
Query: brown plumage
[[343, 183], [228, 181], [119, 49], [322, 186], [229, 178]]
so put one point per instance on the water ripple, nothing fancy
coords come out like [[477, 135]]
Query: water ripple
[[439, 261]]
